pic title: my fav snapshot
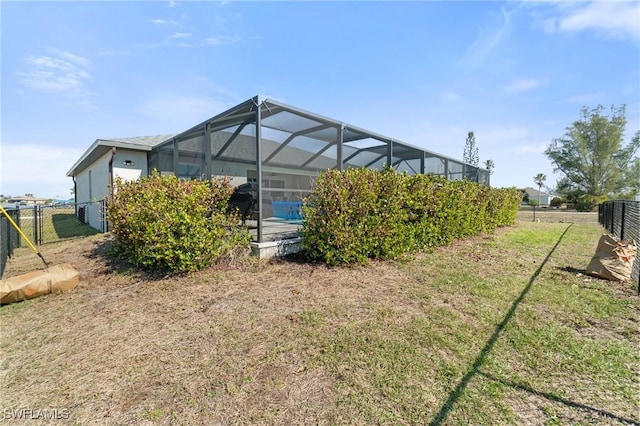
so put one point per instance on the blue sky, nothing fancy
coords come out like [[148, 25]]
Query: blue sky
[[516, 73]]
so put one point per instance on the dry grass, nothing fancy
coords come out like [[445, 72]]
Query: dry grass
[[282, 342], [552, 215]]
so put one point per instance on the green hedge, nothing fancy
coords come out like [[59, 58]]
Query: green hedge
[[362, 214], [162, 223]]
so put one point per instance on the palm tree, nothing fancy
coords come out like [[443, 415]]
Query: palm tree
[[539, 180]]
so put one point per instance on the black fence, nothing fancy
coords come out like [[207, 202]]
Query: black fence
[[622, 219], [9, 237], [44, 224]]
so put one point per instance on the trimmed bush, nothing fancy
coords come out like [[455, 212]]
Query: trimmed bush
[[362, 214], [162, 223]]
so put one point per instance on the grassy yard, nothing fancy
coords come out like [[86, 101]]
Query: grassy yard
[[556, 215], [57, 224], [497, 329]]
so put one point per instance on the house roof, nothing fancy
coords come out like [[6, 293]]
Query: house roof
[[102, 146], [534, 192], [19, 198]]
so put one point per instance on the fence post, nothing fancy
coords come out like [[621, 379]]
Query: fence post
[[34, 214], [612, 215], [622, 221], [16, 219], [600, 212], [41, 225]]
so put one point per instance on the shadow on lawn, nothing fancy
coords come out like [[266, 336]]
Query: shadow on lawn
[[572, 270], [481, 358], [67, 225], [556, 398], [475, 368], [104, 250]]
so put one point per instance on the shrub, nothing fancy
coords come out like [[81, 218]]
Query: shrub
[[359, 214], [588, 203], [162, 223], [360, 202], [557, 201]]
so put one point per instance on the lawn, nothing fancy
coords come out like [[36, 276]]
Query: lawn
[[57, 224], [496, 329], [548, 214]]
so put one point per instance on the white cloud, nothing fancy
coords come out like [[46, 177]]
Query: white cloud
[[219, 40], [113, 52], [37, 169], [165, 22], [62, 72], [175, 36], [186, 39], [212, 41], [613, 19], [488, 40], [78, 60], [522, 85]]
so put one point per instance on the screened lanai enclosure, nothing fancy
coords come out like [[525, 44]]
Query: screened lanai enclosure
[[274, 152]]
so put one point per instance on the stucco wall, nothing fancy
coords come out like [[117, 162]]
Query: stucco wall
[[92, 184]]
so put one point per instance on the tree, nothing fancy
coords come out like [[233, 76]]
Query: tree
[[470, 155], [568, 191], [591, 155], [539, 180], [490, 166]]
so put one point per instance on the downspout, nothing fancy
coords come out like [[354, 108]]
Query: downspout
[[113, 155], [105, 223], [75, 193]]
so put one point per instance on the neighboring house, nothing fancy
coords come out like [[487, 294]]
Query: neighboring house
[[97, 169], [532, 193], [274, 150], [26, 200]]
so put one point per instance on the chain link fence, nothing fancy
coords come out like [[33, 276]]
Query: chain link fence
[[622, 219], [49, 224], [9, 237]]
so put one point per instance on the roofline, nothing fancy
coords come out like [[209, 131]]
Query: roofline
[[348, 126], [535, 191], [108, 143], [259, 100], [83, 157], [223, 114]]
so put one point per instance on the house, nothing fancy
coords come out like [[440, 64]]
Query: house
[[26, 200], [272, 148], [532, 194], [105, 161]]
